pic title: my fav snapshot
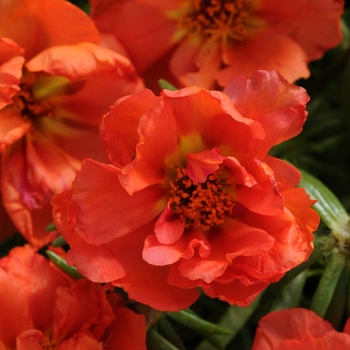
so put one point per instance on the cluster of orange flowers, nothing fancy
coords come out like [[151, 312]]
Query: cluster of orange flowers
[[161, 193]]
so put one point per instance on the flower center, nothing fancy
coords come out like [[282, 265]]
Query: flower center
[[30, 107], [201, 205], [48, 344], [225, 19]]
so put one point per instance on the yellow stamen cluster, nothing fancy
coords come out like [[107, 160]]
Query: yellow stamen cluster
[[202, 205], [217, 19]]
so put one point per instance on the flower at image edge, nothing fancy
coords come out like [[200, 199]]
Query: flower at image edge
[[52, 97], [42, 308], [300, 329], [204, 43], [191, 197]]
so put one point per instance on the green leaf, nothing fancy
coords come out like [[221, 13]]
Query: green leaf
[[168, 331], [156, 342], [291, 294], [328, 206], [59, 242], [62, 264], [326, 287], [234, 319], [337, 310], [50, 227], [166, 85], [187, 318]]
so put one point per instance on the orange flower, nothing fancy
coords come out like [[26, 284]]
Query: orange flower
[[191, 198], [53, 79], [299, 329], [206, 41], [43, 309]]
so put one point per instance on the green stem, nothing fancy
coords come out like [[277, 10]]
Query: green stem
[[328, 282]]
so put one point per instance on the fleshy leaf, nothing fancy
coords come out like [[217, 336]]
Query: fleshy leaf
[[192, 321], [59, 242], [328, 205], [164, 84], [50, 227], [156, 341], [328, 282], [62, 264]]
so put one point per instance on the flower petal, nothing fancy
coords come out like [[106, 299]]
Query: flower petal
[[118, 128], [321, 18], [9, 49], [12, 128], [98, 194], [30, 339], [289, 324], [10, 74], [148, 285], [129, 22], [100, 263], [129, 334], [22, 20], [265, 50], [156, 126], [202, 164], [263, 197], [168, 228], [205, 119], [278, 105], [78, 61], [196, 63], [12, 303]]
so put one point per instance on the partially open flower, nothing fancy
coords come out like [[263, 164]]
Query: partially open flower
[[191, 198], [53, 79], [299, 329], [204, 42], [46, 309]]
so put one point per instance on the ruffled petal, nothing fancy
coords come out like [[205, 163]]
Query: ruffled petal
[[169, 228], [206, 119], [313, 25], [156, 126], [10, 74], [22, 20], [82, 306], [282, 325], [100, 263], [37, 279], [160, 254], [235, 293], [286, 175], [118, 128], [12, 128], [202, 164], [111, 204], [278, 105], [78, 61], [264, 196], [292, 246]]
